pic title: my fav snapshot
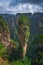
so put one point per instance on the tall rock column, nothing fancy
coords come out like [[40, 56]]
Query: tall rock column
[[23, 33]]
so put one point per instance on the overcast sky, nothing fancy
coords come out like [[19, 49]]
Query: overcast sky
[[21, 6]]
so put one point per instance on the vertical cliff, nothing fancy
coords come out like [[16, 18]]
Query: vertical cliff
[[23, 33], [4, 32]]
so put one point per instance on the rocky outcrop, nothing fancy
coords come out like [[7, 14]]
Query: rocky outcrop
[[23, 33], [4, 33], [4, 36]]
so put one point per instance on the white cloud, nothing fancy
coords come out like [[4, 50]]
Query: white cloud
[[23, 8], [20, 8], [4, 6]]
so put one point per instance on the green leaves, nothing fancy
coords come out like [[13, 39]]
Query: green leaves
[[24, 26], [25, 61], [14, 43], [3, 23], [23, 20], [2, 49], [1, 46], [24, 32], [18, 62], [39, 38]]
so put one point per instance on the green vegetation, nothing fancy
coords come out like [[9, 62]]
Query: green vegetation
[[14, 43], [3, 23], [6, 57], [37, 48], [23, 20], [1, 46], [22, 62], [24, 32], [13, 54], [2, 49], [39, 38]]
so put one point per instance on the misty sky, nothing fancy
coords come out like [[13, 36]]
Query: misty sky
[[21, 6]]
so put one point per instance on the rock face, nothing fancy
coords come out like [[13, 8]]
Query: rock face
[[4, 33], [11, 20], [23, 33], [4, 36]]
